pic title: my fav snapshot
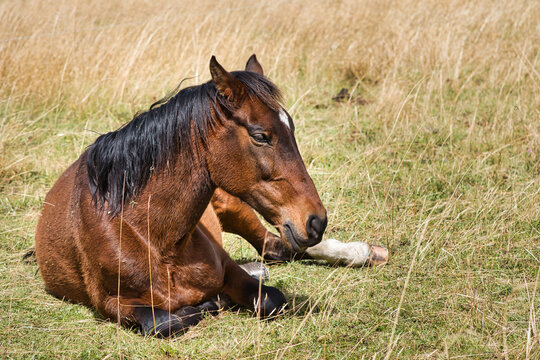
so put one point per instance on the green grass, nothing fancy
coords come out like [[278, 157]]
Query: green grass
[[441, 166], [460, 216]]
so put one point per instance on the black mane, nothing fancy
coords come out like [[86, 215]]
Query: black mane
[[127, 158]]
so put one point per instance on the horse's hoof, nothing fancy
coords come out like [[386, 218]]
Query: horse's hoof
[[162, 324], [256, 270], [270, 303], [378, 255]]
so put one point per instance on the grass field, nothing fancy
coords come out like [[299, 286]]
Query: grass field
[[435, 155]]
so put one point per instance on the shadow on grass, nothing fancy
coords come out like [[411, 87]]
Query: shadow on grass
[[302, 305], [309, 262]]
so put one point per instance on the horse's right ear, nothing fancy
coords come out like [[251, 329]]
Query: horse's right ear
[[226, 84], [254, 66]]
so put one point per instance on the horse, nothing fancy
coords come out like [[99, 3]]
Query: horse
[[133, 228]]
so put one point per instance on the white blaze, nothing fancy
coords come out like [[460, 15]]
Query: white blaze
[[284, 118]]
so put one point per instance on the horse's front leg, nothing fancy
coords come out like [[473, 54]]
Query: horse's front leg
[[242, 286], [237, 217], [152, 321], [256, 270], [161, 323], [245, 290]]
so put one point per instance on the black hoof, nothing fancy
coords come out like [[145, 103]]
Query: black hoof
[[271, 303], [215, 304], [189, 315], [162, 324]]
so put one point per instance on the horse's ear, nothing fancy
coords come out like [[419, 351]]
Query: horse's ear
[[226, 84], [254, 66]]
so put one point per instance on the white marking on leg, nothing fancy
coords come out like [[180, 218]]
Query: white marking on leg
[[353, 254], [284, 118]]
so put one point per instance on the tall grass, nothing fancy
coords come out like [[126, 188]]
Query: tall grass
[[435, 155]]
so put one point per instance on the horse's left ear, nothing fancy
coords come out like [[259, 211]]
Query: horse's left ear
[[254, 66], [226, 84]]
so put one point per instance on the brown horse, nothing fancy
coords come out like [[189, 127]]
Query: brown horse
[[130, 230]]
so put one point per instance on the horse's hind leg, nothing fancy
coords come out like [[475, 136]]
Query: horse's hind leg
[[151, 320], [237, 217]]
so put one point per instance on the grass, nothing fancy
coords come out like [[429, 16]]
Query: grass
[[439, 162]]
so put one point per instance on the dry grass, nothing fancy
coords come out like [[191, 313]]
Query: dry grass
[[440, 162]]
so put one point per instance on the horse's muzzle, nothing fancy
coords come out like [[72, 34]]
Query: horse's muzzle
[[315, 227]]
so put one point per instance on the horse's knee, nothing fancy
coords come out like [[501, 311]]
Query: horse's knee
[[271, 302], [162, 324]]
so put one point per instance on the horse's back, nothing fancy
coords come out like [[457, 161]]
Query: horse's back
[[56, 244]]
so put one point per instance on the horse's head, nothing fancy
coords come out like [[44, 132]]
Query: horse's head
[[253, 155]]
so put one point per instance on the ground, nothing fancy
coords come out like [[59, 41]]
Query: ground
[[433, 153]]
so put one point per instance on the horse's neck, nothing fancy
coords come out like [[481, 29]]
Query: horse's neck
[[171, 204]]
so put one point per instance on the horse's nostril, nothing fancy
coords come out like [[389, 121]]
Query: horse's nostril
[[315, 227]]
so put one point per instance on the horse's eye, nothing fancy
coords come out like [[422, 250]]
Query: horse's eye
[[261, 138]]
